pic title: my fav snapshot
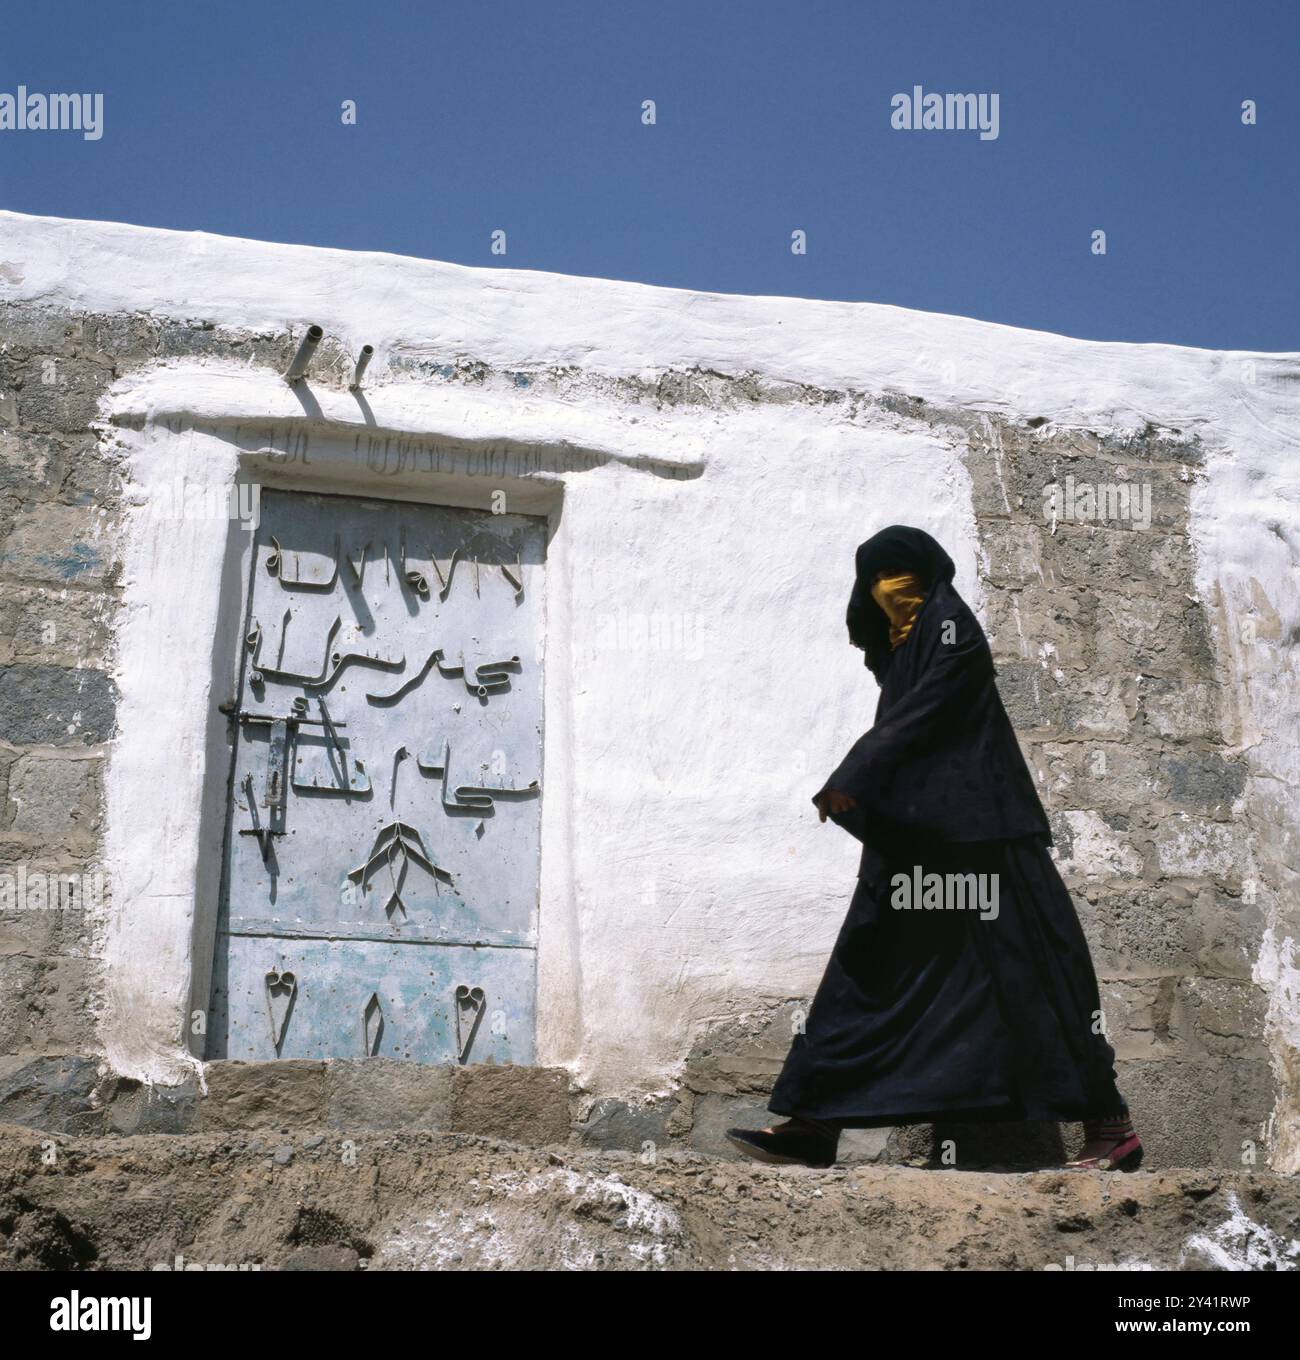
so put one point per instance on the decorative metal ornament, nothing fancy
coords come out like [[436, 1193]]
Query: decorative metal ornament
[[397, 845], [281, 988], [470, 1005], [372, 1026]]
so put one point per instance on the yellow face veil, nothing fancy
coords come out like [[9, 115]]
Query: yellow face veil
[[900, 596]]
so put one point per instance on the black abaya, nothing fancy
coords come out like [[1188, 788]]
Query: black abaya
[[946, 1013], [943, 1014]]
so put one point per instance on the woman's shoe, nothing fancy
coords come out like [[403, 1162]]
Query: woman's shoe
[[1125, 1155], [794, 1143]]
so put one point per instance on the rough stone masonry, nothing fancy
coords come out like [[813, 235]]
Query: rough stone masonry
[[1150, 671]]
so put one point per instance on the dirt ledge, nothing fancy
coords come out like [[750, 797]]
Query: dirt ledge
[[438, 1201]]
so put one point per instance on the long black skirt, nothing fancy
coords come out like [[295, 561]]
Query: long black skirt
[[942, 1013]]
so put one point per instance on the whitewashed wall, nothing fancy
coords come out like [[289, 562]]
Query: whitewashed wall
[[698, 680]]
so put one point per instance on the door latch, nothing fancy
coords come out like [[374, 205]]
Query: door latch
[[284, 730]]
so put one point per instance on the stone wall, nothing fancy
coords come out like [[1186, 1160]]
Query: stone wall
[[1112, 665], [57, 594], [1107, 668], [59, 499]]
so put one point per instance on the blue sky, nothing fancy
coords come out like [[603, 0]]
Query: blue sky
[[525, 116]]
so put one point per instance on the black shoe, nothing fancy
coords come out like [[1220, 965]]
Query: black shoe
[[789, 1145]]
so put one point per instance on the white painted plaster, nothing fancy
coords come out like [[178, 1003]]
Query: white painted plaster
[[684, 871], [1246, 524]]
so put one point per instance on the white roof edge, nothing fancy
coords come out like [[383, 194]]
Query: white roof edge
[[520, 319]]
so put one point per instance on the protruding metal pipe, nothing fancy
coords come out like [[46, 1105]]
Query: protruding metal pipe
[[298, 369], [359, 372]]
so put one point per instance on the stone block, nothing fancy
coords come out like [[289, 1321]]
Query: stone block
[[1194, 847], [54, 626], [135, 1107], [384, 1093], [618, 1125], [56, 705], [58, 393], [1088, 846], [58, 543], [287, 1095], [55, 1094], [522, 1104], [715, 1114], [55, 800]]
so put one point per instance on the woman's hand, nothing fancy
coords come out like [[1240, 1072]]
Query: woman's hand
[[833, 801]]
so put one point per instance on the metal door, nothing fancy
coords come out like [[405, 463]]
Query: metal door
[[382, 846]]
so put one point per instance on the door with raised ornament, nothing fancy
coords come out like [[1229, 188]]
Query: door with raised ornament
[[380, 879]]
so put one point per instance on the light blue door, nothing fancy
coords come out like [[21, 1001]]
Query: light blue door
[[383, 837]]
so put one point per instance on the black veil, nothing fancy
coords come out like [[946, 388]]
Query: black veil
[[897, 548]]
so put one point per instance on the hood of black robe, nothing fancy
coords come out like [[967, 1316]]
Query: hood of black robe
[[895, 549], [942, 760]]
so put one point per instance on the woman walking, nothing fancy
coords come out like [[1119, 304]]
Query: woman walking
[[960, 987]]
